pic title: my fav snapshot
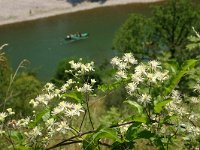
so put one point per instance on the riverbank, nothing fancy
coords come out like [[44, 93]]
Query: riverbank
[[13, 11]]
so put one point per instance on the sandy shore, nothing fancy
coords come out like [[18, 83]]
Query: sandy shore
[[12, 11]]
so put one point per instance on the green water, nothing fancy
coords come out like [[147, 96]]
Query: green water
[[42, 41]]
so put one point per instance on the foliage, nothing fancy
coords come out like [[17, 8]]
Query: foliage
[[134, 35], [25, 88], [16, 88], [161, 115], [5, 72], [162, 36]]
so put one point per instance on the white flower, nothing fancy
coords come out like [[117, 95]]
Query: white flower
[[93, 81], [10, 112], [193, 116], [62, 127], [115, 61], [121, 75], [35, 132], [50, 123], [34, 103], [23, 122], [56, 110], [197, 87], [161, 76], [131, 87], [49, 87], [77, 108], [74, 65], [3, 115], [129, 58], [136, 78], [122, 66], [151, 77], [154, 64], [176, 95], [144, 99], [86, 88], [44, 98], [56, 93], [195, 100], [140, 70], [89, 66]]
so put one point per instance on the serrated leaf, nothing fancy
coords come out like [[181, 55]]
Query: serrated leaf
[[159, 106], [135, 104]]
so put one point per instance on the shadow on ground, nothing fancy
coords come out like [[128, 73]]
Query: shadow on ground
[[75, 2]]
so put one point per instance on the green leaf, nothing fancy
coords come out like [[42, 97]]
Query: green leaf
[[169, 118], [88, 143], [91, 142], [145, 134], [74, 95], [135, 104], [113, 85], [132, 131], [20, 147], [39, 117], [159, 106], [108, 133], [187, 66], [46, 116], [16, 135], [141, 118], [122, 146]]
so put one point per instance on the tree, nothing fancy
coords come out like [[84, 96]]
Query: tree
[[163, 34], [134, 35], [25, 88], [173, 24]]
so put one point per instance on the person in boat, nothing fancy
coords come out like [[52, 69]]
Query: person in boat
[[78, 34], [69, 37]]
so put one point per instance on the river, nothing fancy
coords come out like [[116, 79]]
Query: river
[[42, 41]]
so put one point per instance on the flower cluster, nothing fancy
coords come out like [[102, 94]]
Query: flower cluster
[[123, 64], [169, 114], [141, 74], [53, 113], [80, 68]]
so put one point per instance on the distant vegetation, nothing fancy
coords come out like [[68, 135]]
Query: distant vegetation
[[162, 36]]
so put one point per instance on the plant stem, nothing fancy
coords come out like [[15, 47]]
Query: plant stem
[[69, 140], [88, 109], [82, 120]]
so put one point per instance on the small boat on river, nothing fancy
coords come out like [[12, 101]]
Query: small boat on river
[[77, 36]]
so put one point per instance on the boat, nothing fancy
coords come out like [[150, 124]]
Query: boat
[[77, 36]]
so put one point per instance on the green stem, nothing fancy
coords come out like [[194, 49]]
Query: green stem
[[88, 109]]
